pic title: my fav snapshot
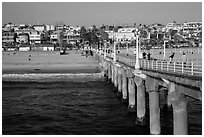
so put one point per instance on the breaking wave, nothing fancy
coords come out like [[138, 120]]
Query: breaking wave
[[53, 77]]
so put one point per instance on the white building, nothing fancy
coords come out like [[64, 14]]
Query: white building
[[24, 47], [35, 37], [39, 27], [125, 34], [48, 47], [173, 26], [50, 27], [192, 26], [22, 38], [54, 37]]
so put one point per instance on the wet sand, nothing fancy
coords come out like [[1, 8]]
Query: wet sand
[[48, 62]]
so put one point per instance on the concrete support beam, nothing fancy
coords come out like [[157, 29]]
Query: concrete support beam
[[179, 103], [141, 110], [124, 85], [152, 87], [155, 128], [115, 76], [119, 81], [113, 73], [109, 71], [131, 91]]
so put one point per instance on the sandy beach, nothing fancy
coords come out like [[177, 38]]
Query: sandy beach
[[48, 62]]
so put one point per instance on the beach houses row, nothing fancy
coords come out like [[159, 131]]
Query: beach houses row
[[28, 47]]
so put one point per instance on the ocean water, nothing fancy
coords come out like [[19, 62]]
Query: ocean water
[[75, 104]]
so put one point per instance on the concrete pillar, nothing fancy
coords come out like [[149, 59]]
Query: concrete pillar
[[152, 87], [115, 76], [105, 68], [179, 104], [113, 73], [141, 110], [124, 86], [119, 82], [180, 117], [109, 71], [155, 128], [131, 91]]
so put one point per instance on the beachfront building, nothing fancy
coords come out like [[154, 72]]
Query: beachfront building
[[35, 37], [73, 37], [173, 26], [125, 34], [110, 34], [54, 37], [39, 28], [48, 47], [49, 27], [8, 37], [189, 27], [61, 27], [24, 47], [22, 38]]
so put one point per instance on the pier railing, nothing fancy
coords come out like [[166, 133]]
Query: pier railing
[[190, 67]]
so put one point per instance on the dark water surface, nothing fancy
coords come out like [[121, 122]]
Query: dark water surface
[[81, 106]]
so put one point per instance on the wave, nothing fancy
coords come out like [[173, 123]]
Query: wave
[[52, 77]]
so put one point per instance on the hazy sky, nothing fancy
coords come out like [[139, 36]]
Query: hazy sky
[[90, 13]]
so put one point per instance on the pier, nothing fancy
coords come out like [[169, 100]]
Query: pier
[[134, 82]]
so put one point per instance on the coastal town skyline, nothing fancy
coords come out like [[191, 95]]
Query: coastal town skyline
[[98, 13]]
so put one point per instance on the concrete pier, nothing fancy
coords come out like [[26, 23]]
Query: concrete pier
[[124, 85], [115, 76], [179, 104], [119, 81], [141, 110], [132, 84], [155, 128], [109, 72], [131, 91], [113, 73], [152, 87], [180, 117]]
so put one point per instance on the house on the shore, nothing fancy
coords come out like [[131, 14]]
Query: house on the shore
[[48, 47], [11, 48], [24, 47]]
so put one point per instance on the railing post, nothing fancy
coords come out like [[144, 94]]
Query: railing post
[[167, 68], [192, 68], [152, 64], [156, 64], [161, 65], [182, 67], [144, 63], [148, 64], [174, 66]]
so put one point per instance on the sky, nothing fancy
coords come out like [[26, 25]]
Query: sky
[[98, 13]]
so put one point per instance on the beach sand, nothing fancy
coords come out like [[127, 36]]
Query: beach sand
[[48, 62]]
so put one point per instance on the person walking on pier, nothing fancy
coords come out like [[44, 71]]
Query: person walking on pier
[[148, 56], [144, 55], [183, 58], [171, 57]]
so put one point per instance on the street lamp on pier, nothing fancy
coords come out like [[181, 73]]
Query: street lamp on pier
[[114, 47], [137, 63], [105, 44], [165, 40]]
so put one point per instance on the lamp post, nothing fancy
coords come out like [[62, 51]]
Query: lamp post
[[105, 48], [126, 48], [137, 63], [164, 47], [114, 48]]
